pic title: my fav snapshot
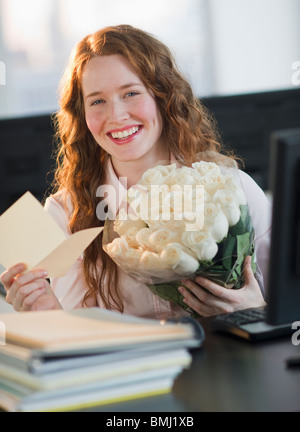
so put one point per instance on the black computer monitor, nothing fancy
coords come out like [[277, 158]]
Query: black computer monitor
[[283, 296]]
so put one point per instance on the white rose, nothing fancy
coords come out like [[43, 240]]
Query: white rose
[[186, 198], [189, 176], [142, 238], [153, 269], [131, 259], [203, 247], [117, 249], [174, 200], [152, 176], [194, 200], [198, 195], [126, 257], [178, 260], [213, 181], [138, 202], [219, 229], [193, 239], [172, 179], [175, 188], [210, 213], [233, 214], [182, 200], [130, 237], [204, 167], [123, 223], [229, 202], [161, 237], [207, 250], [157, 175], [158, 197], [225, 197], [150, 261], [172, 225]]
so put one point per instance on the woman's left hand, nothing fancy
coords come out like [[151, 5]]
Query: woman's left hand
[[207, 298]]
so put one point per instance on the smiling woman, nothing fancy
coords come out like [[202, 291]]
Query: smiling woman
[[124, 118], [125, 108]]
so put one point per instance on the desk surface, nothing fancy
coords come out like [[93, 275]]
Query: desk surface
[[229, 374]]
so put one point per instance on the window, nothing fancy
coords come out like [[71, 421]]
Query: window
[[222, 46], [37, 36]]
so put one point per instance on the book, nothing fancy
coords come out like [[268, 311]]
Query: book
[[59, 332], [28, 360], [82, 388], [68, 360], [72, 377], [17, 398]]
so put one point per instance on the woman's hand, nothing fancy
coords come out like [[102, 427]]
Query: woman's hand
[[28, 291], [207, 298]]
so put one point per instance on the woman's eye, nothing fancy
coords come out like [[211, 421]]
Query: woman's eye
[[97, 102], [133, 93]]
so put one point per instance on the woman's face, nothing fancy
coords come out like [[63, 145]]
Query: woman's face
[[120, 112]]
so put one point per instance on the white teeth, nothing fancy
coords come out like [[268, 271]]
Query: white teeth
[[125, 134]]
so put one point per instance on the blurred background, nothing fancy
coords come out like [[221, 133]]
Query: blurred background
[[242, 58], [223, 46]]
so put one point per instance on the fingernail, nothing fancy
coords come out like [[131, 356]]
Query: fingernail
[[199, 279]]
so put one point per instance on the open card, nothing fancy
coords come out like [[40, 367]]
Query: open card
[[28, 234]]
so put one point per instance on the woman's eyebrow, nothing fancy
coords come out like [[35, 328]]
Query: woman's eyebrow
[[133, 84], [122, 87]]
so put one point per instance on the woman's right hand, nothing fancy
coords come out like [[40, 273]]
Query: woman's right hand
[[28, 291]]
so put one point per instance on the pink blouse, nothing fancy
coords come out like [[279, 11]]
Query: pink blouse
[[137, 298]]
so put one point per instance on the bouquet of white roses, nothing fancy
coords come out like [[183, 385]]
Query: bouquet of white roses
[[177, 223]]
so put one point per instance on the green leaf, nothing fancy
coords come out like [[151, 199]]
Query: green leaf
[[229, 252], [169, 291], [244, 225]]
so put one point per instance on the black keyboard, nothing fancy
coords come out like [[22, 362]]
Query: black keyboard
[[249, 324]]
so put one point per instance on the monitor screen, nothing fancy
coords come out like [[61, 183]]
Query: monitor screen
[[283, 296]]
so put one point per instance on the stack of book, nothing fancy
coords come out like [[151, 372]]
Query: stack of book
[[63, 361]]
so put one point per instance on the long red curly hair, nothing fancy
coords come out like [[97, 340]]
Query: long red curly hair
[[81, 163]]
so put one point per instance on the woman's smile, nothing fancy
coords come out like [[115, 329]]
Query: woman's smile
[[124, 135]]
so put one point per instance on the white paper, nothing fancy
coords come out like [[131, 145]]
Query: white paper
[[29, 235]]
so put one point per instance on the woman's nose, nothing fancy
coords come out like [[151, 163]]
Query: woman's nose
[[118, 111]]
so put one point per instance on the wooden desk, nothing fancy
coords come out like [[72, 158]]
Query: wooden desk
[[230, 374]]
